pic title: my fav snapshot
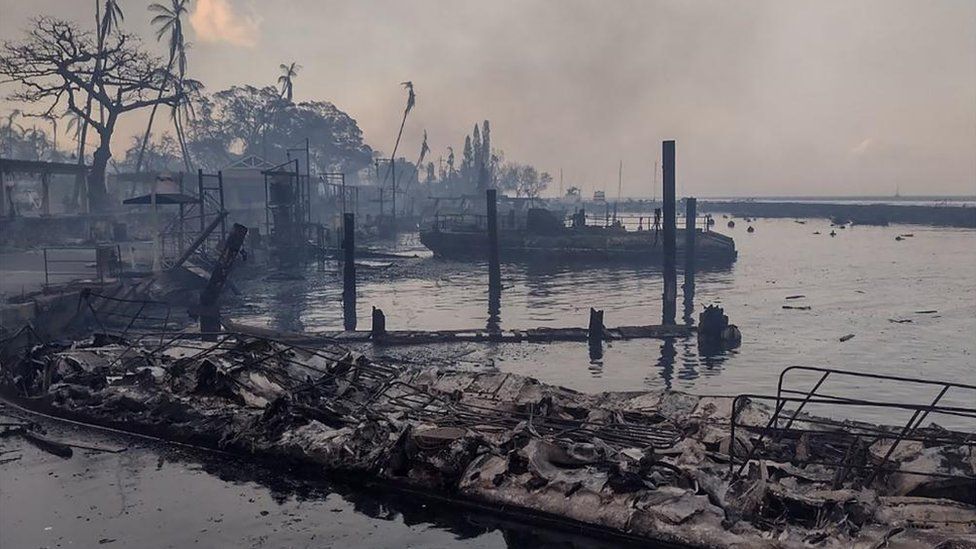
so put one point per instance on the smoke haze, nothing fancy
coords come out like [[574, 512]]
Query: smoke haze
[[763, 97]]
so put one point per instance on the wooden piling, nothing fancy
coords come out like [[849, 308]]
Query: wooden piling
[[349, 271], [378, 328], [691, 213], [670, 245], [494, 266], [595, 329]]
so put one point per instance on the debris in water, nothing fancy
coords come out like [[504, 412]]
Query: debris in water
[[797, 307], [797, 296], [847, 337]]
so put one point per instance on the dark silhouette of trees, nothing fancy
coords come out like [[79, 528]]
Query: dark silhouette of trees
[[241, 120], [60, 66]]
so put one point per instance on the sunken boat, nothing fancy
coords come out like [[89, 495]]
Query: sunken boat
[[546, 235]]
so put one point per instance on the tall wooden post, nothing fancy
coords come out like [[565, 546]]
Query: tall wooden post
[[349, 271], [670, 245], [691, 213], [494, 268], [46, 193]]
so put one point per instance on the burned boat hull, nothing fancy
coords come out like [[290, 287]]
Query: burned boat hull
[[589, 244]]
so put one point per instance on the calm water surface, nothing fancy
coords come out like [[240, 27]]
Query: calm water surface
[[859, 282]]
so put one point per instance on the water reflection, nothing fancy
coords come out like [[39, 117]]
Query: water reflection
[[665, 363], [389, 505]]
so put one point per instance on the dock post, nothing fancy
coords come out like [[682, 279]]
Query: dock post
[[670, 245], [595, 330], [494, 268], [595, 333], [691, 213], [349, 271], [378, 328]]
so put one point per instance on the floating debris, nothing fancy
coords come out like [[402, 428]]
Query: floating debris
[[797, 296], [797, 307], [847, 337]]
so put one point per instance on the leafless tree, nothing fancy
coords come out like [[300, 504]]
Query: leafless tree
[[59, 65]]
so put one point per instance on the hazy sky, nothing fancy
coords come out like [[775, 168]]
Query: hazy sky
[[763, 97]]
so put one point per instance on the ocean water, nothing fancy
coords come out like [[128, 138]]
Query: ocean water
[[858, 282], [910, 304]]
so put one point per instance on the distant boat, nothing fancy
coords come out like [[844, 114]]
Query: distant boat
[[543, 235]]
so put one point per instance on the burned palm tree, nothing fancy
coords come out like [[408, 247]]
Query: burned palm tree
[[411, 101], [287, 79], [169, 21], [188, 90], [8, 131]]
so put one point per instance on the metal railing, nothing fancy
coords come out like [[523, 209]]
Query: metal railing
[[106, 261], [845, 438]]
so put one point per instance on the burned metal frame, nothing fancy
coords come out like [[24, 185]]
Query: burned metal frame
[[850, 433], [106, 313]]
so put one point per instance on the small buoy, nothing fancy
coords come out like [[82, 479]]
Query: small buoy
[[731, 224], [750, 229], [833, 233]]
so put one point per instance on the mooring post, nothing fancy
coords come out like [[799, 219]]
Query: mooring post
[[691, 212], [670, 245], [349, 271], [494, 269], [595, 330], [379, 323]]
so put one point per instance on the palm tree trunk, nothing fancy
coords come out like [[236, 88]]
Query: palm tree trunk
[[393, 161], [182, 140], [152, 115]]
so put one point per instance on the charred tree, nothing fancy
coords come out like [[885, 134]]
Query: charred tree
[[59, 65]]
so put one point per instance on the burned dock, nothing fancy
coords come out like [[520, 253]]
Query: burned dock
[[665, 467]]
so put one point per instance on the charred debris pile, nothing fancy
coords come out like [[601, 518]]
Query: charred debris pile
[[669, 467]]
